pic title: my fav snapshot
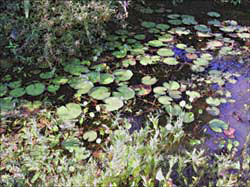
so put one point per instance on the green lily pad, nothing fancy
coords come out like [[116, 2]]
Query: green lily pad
[[170, 61], [173, 16], [124, 92], [106, 78], [213, 14], [99, 93], [17, 92], [81, 83], [35, 89], [148, 24], [188, 117], [53, 88], [123, 74], [189, 21], [174, 94], [218, 125], [15, 84], [113, 103], [142, 89], [128, 62], [90, 136], [140, 36], [166, 38], [213, 101], [69, 112], [146, 60], [60, 80], [47, 75], [156, 43], [165, 100], [94, 76], [162, 27], [193, 95], [160, 90], [75, 69], [120, 54], [201, 28], [175, 21], [201, 62], [214, 111], [148, 80], [172, 85], [31, 106], [165, 52]]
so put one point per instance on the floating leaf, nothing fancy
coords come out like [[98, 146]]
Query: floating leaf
[[174, 94], [113, 103], [75, 69], [160, 90], [142, 89], [17, 92], [188, 117], [213, 101], [47, 75], [60, 80], [162, 27], [69, 112], [99, 93], [148, 80], [15, 84], [140, 36], [35, 89], [123, 75], [165, 100], [202, 28], [213, 14], [165, 52], [170, 61], [145, 60], [53, 88], [156, 43], [6, 104], [214, 111], [120, 54], [218, 125], [125, 92], [148, 24], [175, 21], [106, 78], [90, 136]]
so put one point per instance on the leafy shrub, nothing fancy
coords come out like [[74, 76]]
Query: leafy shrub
[[52, 29]]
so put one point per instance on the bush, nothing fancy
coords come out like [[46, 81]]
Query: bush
[[52, 29]]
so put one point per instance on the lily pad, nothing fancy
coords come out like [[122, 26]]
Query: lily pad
[[142, 89], [174, 94], [124, 92], [120, 54], [156, 43], [69, 112], [148, 80], [214, 111], [35, 89], [75, 69], [6, 104], [201, 28], [175, 21], [90, 136], [170, 61], [165, 100], [123, 74], [15, 84], [106, 78], [188, 117], [162, 27], [213, 14], [17, 92], [213, 101], [47, 75], [218, 125], [99, 93], [165, 52], [53, 88], [148, 24], [159, 90], [128, 62], [146, 60], [140, 36], [113, 103], [60, 80]]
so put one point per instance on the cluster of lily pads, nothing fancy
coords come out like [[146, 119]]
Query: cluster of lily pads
[[157, 45]]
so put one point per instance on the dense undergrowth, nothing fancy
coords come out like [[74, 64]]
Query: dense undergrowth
[[79, 138]]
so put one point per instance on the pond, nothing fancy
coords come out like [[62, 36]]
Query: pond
[[190, 62]]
